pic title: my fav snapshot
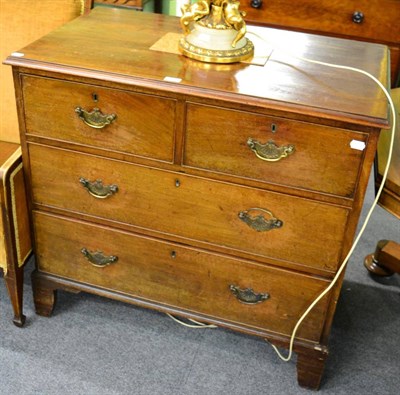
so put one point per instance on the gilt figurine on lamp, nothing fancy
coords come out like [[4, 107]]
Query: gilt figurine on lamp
[[214, 31]]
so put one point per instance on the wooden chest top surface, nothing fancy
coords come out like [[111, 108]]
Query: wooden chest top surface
[[114, 45]]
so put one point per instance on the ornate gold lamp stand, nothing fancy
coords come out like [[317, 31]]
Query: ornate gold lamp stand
[[215, 32]]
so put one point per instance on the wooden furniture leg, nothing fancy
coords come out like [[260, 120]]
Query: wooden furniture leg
[[385, 260], [44, 295], [15, 242], [14, 282], [310, 367]]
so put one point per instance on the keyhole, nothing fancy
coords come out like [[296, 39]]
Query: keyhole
[[173, 254], [274, 128], [95, 97], [177, 183]]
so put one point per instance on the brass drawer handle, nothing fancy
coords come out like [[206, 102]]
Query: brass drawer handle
[[248, 296], [95, 119], [269, 151], [97, 189], [98, 259], [258, 222]]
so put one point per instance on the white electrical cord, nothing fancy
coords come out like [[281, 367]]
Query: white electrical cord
[[384, 176], [198, 325]]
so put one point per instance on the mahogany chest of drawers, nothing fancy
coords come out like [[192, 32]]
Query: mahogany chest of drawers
[[365, 20], [225, 193]]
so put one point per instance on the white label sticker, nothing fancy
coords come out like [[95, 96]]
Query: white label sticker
[[173, 79], [357, 144], [18, 54]]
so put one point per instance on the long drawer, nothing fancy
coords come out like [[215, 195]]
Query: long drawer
[[274, 150], [341, 17], [255, 221], [143, 124], [173, 275]]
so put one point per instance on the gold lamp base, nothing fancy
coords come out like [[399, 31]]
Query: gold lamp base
[[216, 56], [215, 32]]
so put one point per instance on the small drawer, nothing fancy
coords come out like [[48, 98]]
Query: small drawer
[[273, 150], [137, 124], [185, 278], [254, 221], [370, 20]]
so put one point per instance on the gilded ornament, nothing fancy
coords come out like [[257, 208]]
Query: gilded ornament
[[214, 31]]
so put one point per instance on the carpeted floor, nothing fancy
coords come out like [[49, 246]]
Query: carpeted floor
[[97, 346]]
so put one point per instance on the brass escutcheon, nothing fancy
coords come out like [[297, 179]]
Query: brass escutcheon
[[98, 259], [248, 296], [269, 151], [95, 118], [258, 222], [97, 189]]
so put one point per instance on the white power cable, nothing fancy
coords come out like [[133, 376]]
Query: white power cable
[[198, 325], [384, 176]]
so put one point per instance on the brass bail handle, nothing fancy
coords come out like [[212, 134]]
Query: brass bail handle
[[248, 296], [95, 118], [258, 222], [269, 151], [97, 189], [98, 259]]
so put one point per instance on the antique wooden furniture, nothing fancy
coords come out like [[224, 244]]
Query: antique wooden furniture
[[390, 198], [15, 243], [22, 22], [365, 20], [386, 259], [225, 193]]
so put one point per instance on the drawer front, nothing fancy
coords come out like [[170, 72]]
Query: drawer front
[[190, 207], [332, 17], [300, 155], [144, 124], [181, 277]]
